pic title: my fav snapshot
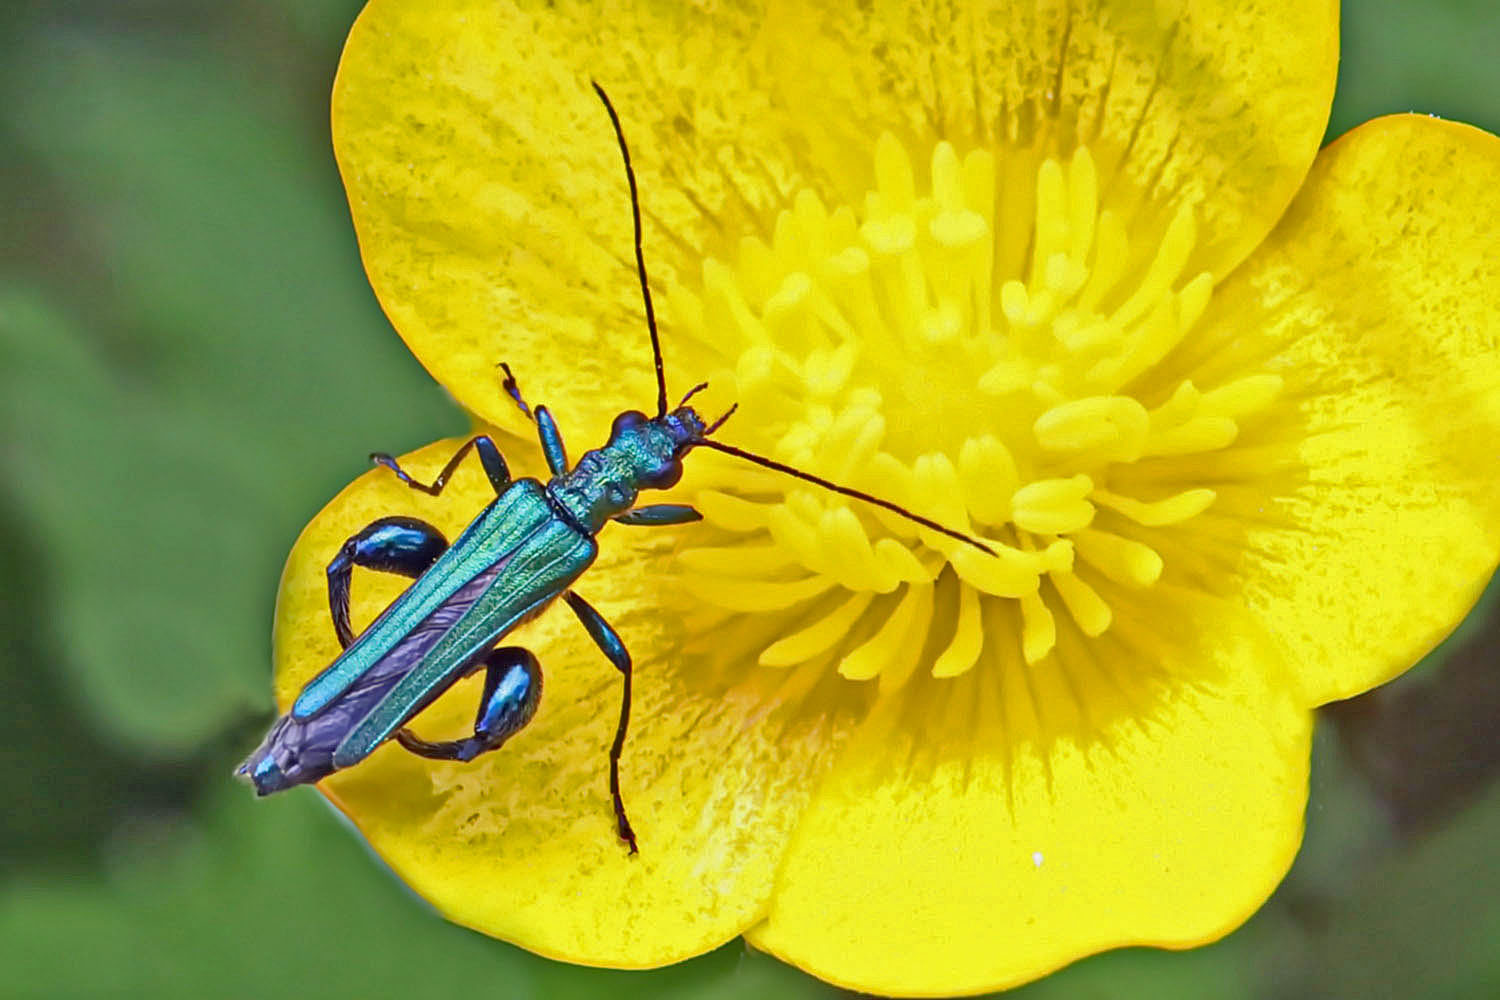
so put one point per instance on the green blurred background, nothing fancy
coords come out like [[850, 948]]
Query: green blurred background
[[191, 363]]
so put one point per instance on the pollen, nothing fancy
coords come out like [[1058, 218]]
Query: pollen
[[1004, 372]]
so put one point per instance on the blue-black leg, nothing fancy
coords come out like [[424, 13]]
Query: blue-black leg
[[609, 641], [403, 545], [513, 390], [489, 456], [657, 514], [552, 442], [512, 688]]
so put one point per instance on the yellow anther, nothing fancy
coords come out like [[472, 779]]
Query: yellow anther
[[1053, 506], [892, 235], [1172, 510], [1063, 275], [725, 305], [812, 225], [1193, 299], [899, 560], [758, 270], [1085, 334], [1057, 557], [755, 365], [1243, 396], [826, 371], [818, 637], [1202, 433], [1014, 302], [794, 530], [1011, 573], [1111, 260], [958, 228], [1007, 376], [1123, 560], [947, 178], [1083, 603], [968, 638], [1176, 246], [900, 667], [1171, 255], [1114, 425], [849, 555], [1153, 338], [893, 174], [1038, 629], [832, 327], [849, 262], [1083, 203], [943, 324], [937, 489], [852, 441], [987, 475], [875, 653], [1051, 233], [1179, 407], [897, 486], [786, 315]]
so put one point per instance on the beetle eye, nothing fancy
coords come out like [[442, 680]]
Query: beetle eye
[[628, 420], [666, 477]]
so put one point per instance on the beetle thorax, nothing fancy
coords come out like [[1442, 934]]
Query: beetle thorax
[[641, 454]]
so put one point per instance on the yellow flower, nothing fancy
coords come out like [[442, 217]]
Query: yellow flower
[[1071, 276]]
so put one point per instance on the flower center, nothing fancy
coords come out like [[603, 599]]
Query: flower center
[[1004, 373]]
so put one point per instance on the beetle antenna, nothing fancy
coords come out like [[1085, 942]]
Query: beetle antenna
[[661, 378], [640, 257], [848, 491], [720, 422]]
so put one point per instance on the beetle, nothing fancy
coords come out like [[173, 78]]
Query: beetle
[[523, 551]]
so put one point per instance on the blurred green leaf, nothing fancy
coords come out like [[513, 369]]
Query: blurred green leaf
[[1423, 923], [178, 426], [327, 20], [46, 745], [1218, 972], [275, 898], [123, 502], [261, 900], [1432, 56]]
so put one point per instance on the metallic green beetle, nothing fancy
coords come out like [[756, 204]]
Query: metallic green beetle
[[521, 553]]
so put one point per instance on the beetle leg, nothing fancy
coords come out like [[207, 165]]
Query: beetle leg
[[401, 545], [512, 688], [489, 456], [609, 641], [552, 442], [655, 514], [513, 390]]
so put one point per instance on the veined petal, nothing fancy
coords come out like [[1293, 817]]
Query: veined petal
[[493, 219], [1378, 300], [521, 843], [1020, 826]]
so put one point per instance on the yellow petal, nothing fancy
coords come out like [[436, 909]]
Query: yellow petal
[[492, 213], [1378, 301], [1029, 826], [521, 844]]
